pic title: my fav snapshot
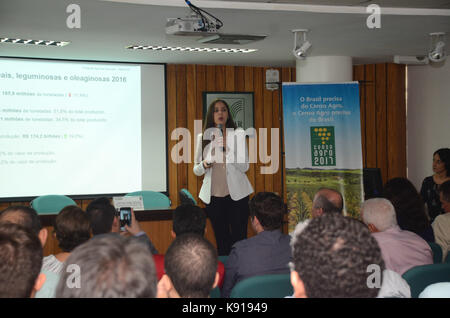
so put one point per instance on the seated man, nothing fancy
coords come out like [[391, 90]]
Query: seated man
[[109, 266], [27, 217], [104, 219], [266, 253], [20, 262], [191, 268], [441, 224], [331, 258], [325, 201], [393, 286], [187, 218], [401, 250]]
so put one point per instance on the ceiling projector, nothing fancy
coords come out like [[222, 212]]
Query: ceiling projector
[[196, 26], [204, 24], [191, 25]]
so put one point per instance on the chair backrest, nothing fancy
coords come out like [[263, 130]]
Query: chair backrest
[[264, 286], [215, 293], [420, 277], [437, 252], [51, 204], [152, 200], [186, 197], [223, 258]]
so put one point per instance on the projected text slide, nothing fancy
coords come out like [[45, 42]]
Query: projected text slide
[[74, 128]]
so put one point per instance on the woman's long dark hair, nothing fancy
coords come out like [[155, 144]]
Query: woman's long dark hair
[[408, 204], [444, 155], [209, 120]]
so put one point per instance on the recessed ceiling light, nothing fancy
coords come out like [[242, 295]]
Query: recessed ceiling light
[[189, 49], [33, 42]]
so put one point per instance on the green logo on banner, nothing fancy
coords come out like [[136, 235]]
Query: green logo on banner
[[323, 149]]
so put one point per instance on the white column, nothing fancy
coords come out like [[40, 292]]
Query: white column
[[324, 69]]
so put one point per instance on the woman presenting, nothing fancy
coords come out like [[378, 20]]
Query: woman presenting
[[430, 185], [226, 188]]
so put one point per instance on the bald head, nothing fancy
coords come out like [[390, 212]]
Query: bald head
[[327, 201]]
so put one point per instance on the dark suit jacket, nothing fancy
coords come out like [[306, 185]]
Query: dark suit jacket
[[268, 252]]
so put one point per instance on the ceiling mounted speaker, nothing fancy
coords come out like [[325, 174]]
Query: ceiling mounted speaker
[[437, 49], [302, 46]]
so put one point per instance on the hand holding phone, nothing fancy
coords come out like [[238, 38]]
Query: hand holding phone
[[125, 218], [133, 228]]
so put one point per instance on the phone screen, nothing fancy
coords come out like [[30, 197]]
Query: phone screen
[[125, 218]]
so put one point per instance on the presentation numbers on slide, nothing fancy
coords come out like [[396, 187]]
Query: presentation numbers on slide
[[121, 79]]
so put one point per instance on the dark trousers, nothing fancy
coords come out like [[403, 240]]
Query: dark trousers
[[229, 220]]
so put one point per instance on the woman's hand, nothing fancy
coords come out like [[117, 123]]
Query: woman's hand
[[206, 164]]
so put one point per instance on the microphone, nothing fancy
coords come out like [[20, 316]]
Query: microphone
[[220, 126]]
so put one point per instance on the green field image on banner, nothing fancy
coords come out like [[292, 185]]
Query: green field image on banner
[[323, 149]]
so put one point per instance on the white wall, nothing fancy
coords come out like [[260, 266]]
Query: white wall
[[428, 117]]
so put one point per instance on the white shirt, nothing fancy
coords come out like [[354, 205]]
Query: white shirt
[[438, 290], [236, 165], [393, 286], [441, 229], [51, 264]]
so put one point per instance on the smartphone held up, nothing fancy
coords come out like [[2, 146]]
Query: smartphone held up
[[124, 218]]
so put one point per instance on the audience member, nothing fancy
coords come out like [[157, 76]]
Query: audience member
[[20, 262], [27, 217], [103, 218], [191, 264], [393, 285], [441, 224], [327, 201], [401, 249], [331, 257], [430, 185], [72, 228], [266, 253], [187, 218], [409, 207], [109, 266]]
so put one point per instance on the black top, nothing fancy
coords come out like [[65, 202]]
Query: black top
[[428, 234], [430, 195]]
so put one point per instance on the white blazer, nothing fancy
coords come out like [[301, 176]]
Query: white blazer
[[237, 164]]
